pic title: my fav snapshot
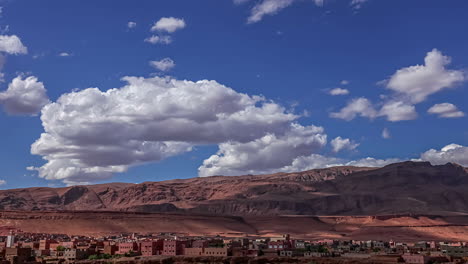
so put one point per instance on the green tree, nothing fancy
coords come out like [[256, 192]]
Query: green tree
[[93, 257], [60, 248]]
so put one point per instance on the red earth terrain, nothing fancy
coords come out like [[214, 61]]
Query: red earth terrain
[[402, 201]]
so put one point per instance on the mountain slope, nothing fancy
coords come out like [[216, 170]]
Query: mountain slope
[[408, 187]]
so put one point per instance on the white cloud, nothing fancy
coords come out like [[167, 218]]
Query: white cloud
[[24, 96], [317, 161], [338, 144], [393, 110], [5, 29], [360, 106], [2, 61], [3, 182], [310, 162], [12, 45], [450, 153], [156, 118], [64, 54], [159, 39], [270, 7], [131, 24], [165, 64], [240, 2], [386, 133], [266, 154], [357, 4], [267, 7], [319, 2], [446, 110], [372, 162], [168, 24], [339, 91], [344, 82], [416, 83], [411, 85], [398, 111]]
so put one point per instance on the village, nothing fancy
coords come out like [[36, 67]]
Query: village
[[19, 247]]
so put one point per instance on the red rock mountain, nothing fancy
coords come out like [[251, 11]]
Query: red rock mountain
[[401, 188]]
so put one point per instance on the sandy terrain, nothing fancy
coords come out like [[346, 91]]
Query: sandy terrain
[[401, 228]]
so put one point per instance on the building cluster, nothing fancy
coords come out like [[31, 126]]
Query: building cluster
[[26, 248]]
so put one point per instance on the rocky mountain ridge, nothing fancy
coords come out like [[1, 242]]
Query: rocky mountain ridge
[[408, 187]]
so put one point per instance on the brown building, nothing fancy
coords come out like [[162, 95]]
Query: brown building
[[196, 251], [72, 255], [216, 251], [67, 244], [174, 247], [17, 255], [415, 259], [151, 248], [110, 249], [54, 245], [128, 247], [38, 252], [33, 245], [45, 244], [200, 244], [279, 245]]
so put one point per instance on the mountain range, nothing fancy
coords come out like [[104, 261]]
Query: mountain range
[[401, 188]]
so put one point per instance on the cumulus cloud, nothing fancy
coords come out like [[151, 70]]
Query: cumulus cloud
[[411, 85], [344, 82], [359, 106], [416, 83], [398, 111], [156, 118], [386, 133], [450, 153], [64, 54], [131, 24], [339, 91], [317, 161], [446, 110], [3, 182], [310, 162], [168, 24], [12, 45], [393, 110], [159, 39], [266, 154], [338, 144], [24, 96], [165, 64]]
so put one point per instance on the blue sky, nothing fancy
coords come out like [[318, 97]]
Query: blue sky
[[293, 54]]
